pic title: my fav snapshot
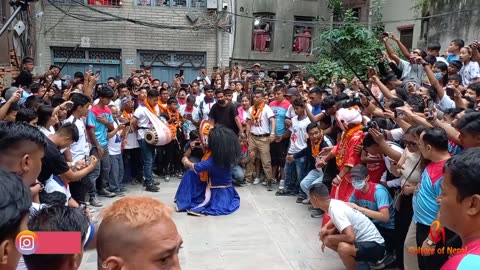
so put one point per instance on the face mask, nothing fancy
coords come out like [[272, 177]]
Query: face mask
[[438, 75], [201, 86], [358, 184]]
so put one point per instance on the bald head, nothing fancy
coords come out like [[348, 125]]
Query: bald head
[[136, 232]]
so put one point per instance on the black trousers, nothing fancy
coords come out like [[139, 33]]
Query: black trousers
[[435, 261], [403, 218], [389, 237], [133, 162], [79, 189], [173, 156]]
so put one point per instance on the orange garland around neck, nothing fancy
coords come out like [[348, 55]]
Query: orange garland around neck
[[204, 175], [152, 110], [126, 115], [316, 147], [346, 137], [162, 106], [173, 126], [257, 111]]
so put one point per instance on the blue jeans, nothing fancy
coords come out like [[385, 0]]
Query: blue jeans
[[313, 177], [238, 173], [116, 181], [294, 170], [148, 153]]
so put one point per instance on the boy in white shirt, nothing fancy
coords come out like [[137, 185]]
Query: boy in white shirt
[[298, 142]]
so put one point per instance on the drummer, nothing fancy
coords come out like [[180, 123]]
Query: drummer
[[141, 123]]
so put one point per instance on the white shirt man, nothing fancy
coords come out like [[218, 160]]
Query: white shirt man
[[144, 123]]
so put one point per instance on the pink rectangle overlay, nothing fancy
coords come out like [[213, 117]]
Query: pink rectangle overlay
[[59, 243]]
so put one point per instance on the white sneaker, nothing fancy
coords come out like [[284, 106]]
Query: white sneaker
[[281, 186], [256, 181], [264, 183]]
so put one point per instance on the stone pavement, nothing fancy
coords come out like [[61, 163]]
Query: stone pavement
[[267, 232]]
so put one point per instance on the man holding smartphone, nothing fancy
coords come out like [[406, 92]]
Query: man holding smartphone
[[411, 69]]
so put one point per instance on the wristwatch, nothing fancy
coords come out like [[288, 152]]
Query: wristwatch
[[430, 242]]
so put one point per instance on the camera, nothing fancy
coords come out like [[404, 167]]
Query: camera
[[371, 124]]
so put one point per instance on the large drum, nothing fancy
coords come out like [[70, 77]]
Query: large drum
[[159, 134], [151, 136]]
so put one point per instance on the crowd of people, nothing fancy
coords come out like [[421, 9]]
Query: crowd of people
[[380, 160]]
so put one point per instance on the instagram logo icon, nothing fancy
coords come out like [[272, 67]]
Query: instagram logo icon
[[26, 242]]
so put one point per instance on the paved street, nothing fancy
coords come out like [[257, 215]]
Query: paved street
[[267, 232]]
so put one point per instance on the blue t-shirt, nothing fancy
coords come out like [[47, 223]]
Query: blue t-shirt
[[101, 130], [376, 198], [316, 109], [452, 57], [280, 110], [454, 148], [425, 205]]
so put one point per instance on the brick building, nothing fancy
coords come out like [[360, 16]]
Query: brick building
[[183, 35]]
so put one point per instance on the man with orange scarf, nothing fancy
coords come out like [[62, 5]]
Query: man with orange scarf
[[172, 149], [141, 122], [260, 133], [350, 121]]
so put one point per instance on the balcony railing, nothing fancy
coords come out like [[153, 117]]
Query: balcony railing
[[173, 3]]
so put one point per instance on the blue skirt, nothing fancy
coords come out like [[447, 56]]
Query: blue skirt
[[195, 197]]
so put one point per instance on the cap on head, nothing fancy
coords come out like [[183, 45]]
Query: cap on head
[[257, 65], [12, 90], [359, 172], [291, 92]]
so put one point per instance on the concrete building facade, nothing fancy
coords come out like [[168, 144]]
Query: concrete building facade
[[277, 34], [444, 23], [183, 35], [440, 21]]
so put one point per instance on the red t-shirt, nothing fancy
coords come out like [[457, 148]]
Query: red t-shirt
[[376, 169], [468, 258]]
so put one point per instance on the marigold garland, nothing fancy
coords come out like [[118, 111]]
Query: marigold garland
[[346, 137], [316, 147], [152, 110], [173, 125], [257, 111]]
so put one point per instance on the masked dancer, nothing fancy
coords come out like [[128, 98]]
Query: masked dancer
[[206, 188], [350, 121]]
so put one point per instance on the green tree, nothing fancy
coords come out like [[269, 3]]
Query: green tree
[[354, 40]]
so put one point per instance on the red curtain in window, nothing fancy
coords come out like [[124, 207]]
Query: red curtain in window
[[259, 40], [302, 42]]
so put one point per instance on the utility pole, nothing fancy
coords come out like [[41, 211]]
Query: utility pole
[[219, 35]]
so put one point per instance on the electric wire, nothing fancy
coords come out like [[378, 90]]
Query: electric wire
[[312, 23]]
